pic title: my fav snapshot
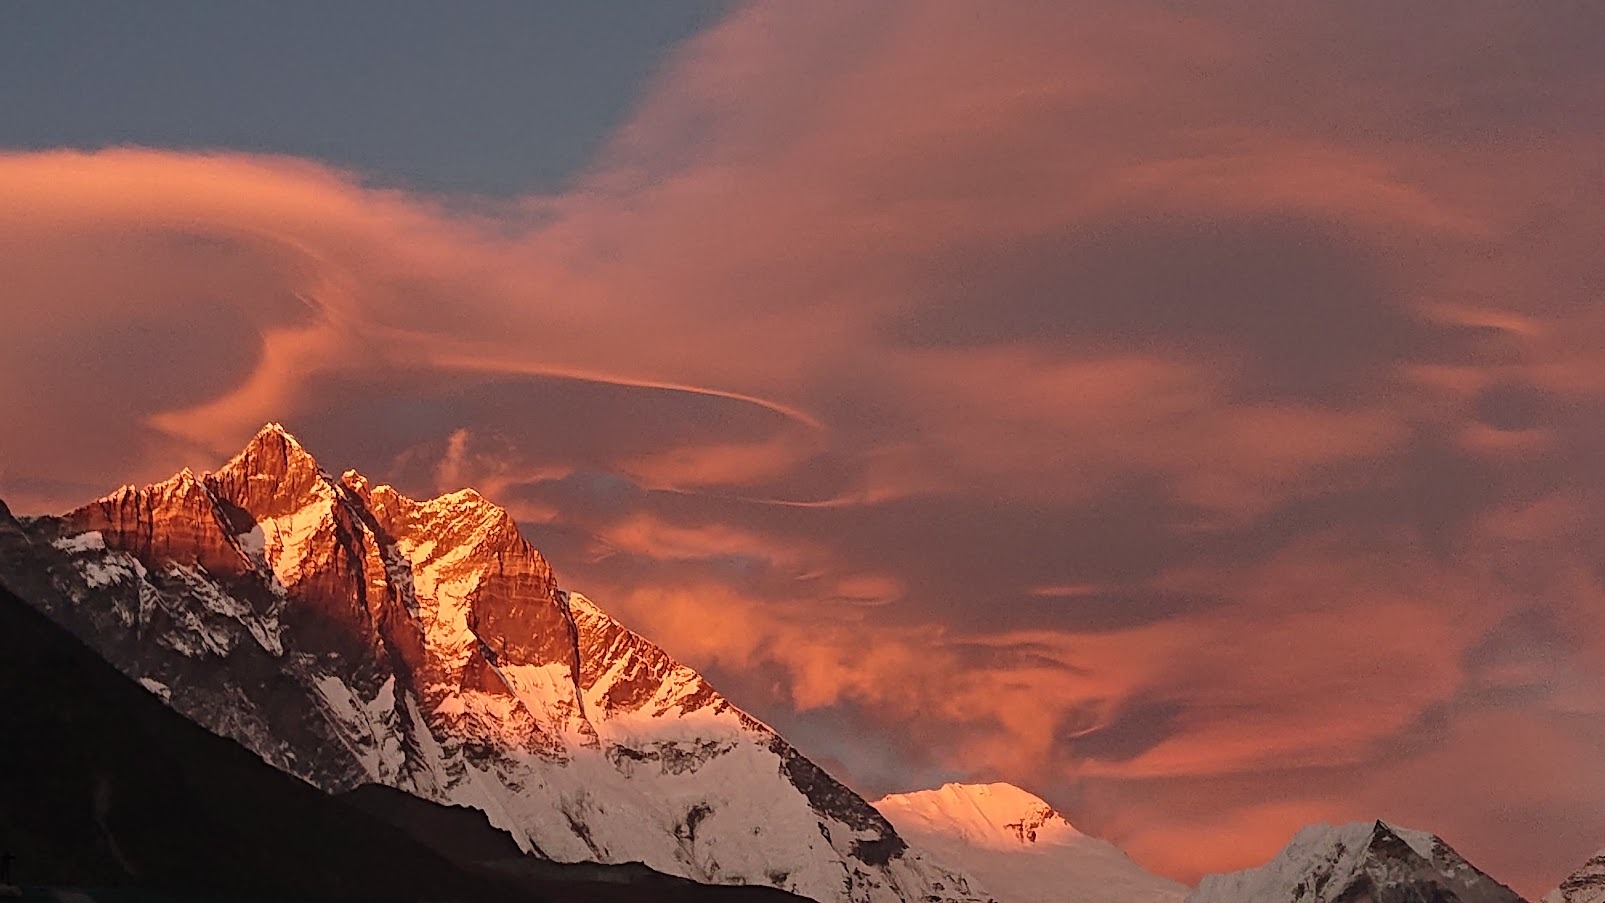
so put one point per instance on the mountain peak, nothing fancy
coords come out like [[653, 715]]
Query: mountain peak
[[358, 486], [1001, 789], [997, 794], [467, 517], [274, 443], [272, 475], [1371, 860], [997, 815], [1419, 841], [1019, 848], [466, 497], [1586, 885]]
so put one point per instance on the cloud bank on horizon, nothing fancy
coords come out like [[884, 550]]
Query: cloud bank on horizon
[[1193, 416]]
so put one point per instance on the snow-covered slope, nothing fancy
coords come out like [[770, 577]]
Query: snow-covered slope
[[1586, 885], [348, 635], [1363, 862], [1019, 849]]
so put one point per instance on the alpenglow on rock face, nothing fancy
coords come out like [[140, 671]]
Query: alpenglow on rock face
[[1019, 849], [1586, 885], [1362, 862], [349, 635]]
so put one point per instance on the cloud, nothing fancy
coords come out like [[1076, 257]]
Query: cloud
[[1191, 415]]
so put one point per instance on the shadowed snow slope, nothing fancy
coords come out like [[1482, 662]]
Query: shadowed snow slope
[[1019, 849]]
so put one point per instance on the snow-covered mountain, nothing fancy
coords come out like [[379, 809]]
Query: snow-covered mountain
[[1019, 849], [348, 635], [1362, 862], [1586, 885]]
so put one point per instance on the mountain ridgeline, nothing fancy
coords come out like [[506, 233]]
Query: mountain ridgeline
[[349, 635]]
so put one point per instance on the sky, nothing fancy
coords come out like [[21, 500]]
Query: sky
[[1188, 412]]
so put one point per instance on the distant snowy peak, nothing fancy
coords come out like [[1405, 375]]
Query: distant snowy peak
[[1019, 849], [999, 816], [1586, 885], [1361, 861]]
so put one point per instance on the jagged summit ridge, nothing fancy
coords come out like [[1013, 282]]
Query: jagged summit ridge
[[275, 455], [1372, 861], [349, 634]]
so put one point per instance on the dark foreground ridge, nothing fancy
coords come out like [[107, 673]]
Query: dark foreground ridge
[[103, 786]]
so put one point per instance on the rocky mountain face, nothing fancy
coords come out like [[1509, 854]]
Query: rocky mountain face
[[1586, 885], [1363, 862], [1019, 849], [350, 635]]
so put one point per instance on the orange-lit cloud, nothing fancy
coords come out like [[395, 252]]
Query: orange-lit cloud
[[1193, 416]]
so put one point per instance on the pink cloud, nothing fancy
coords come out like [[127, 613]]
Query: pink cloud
[[883, 303]]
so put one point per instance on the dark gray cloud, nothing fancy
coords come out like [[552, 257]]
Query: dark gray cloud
[[1511, 406], [1135, 728], [1311, 307]]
